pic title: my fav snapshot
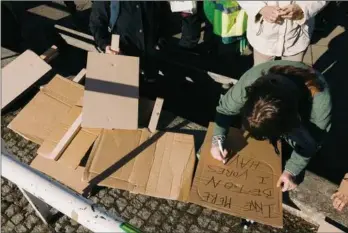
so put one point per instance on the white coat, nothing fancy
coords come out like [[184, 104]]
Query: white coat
[[286, 39]]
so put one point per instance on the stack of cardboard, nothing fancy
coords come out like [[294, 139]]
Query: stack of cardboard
[[66, 118]]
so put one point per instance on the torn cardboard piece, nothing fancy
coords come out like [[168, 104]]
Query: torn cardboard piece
[[69, 177], [21, 74], [53, 101], [79, 145], [68, 169], [159, 165], [111, 92], [246, 185]]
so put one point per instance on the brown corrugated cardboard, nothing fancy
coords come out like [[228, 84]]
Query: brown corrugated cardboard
[[246, 185], [54, 100], [112, 92], [67, 176], [79, 145], [159, 165], [20, 74]]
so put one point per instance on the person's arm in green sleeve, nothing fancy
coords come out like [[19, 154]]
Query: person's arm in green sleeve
[[229, 105]]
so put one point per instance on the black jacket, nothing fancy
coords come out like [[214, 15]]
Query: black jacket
[[139, 25]]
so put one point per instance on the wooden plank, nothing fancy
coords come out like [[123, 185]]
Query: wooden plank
[[115, 42], [155, 114], [50, 54], [67, 138], [80, 76], [21, 74]]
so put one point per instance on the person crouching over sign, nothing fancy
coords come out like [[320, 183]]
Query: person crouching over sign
[[278, 100]]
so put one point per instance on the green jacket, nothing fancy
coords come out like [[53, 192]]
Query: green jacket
[[303, 140]]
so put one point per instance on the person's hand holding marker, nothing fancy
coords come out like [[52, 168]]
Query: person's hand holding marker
[[217, 151]]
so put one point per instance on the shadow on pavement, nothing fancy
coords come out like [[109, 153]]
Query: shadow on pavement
[[332, 162]]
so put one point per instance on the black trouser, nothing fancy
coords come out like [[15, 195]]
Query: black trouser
[[191, 31]]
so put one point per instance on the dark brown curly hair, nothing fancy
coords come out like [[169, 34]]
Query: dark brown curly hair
[[272, 110]]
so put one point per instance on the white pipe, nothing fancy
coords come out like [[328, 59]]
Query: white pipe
[[56, 195]]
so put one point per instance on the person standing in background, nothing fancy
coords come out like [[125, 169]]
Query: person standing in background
[[280, 28], [140, 26]]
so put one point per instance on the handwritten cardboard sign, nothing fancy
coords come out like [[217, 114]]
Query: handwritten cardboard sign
[[246, 185]]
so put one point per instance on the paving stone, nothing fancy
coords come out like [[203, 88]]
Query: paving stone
[[18, 218], [224, 229], [30, 221], [150, 229], [5, 189], [152, 204], [173, 217], [40, 228], [180, 229], [94, 199], [136, 203], [165, 209], [144, 213], [69, 229], [167, 228], [129, 212], [102, 193], [126, 194], [4, 206], [207, 212], [203, 221], [8, 227], [142, 198], [194, 209], [3, 220], [214, 226], [171, 203], [137, 222], [114, 193], [156, 219], [10, 197], [182, 206], [21, 229], [216, 216], [186, 220], [108, 201], [195, 229], [11, 210], [22, 202], [58, 227], [121, 203]]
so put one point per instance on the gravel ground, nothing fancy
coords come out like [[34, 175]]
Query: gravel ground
[[147, 213]]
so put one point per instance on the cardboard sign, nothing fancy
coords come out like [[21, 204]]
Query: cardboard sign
[[111, 92], [36, 121], [20, 74], [159, 165], [246, 185]]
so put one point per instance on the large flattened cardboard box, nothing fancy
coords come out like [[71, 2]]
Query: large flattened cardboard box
[[53, 101], [44, 118], [20, 74], [246, 185], [159, 165]]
